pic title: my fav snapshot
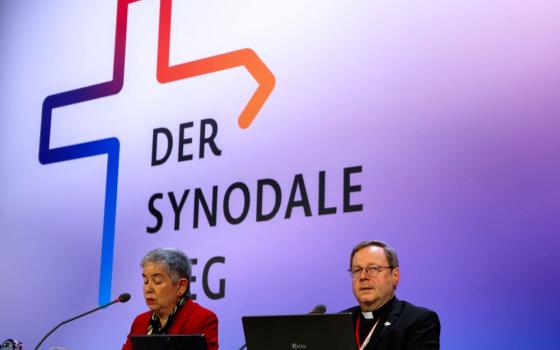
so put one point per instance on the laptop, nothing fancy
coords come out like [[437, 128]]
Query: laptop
[[169, 342], [295, 332]]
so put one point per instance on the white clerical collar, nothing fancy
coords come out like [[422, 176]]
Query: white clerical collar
[[368, 315]]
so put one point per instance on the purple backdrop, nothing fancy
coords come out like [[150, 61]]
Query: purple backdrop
[[450, 108]]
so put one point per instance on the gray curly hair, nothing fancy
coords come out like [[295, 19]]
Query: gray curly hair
[[177, 264]]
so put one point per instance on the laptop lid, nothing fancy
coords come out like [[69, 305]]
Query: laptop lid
[[169, 342], [299, 332]]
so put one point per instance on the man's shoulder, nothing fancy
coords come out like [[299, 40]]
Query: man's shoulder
[[412, 309], [402, 308], [410, 316]]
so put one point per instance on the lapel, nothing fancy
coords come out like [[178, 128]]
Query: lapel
[[181, 318], [392, 318]]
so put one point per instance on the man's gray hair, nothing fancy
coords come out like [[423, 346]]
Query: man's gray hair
[[390, 253], [177, 264]]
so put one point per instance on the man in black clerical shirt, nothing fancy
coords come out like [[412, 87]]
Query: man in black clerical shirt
[[381, 321]]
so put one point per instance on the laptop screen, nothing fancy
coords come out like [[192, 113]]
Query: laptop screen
[[299, 332], [169, 342]]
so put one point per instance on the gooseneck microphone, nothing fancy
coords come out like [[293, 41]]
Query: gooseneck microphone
[[123, 298], [318, 310]]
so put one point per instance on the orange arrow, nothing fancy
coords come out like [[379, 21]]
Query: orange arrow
[[244, 57]]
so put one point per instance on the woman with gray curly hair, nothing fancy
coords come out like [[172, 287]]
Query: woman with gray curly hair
[[167, 274]]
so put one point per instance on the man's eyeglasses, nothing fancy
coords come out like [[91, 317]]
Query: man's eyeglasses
[[371, 270]]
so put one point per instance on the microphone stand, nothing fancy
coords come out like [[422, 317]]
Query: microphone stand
[[122, 298]]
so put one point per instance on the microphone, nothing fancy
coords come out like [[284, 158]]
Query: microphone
[[318, 310], [123, 298]]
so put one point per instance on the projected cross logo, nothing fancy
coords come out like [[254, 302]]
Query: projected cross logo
[[111, 146]]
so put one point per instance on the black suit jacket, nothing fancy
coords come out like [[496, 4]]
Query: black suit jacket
[[406, 327]]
